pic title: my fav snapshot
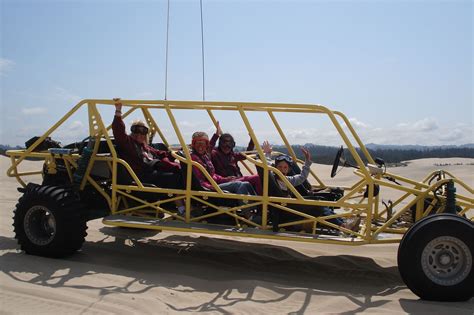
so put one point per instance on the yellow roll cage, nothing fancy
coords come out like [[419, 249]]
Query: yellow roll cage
[[129, 210]]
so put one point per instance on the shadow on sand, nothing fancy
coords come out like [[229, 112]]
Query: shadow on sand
[[216, 266]]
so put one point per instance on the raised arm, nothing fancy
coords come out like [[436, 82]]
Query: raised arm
[[118, 126], [300, 178], [251, 145], [215, 136], [267, 150]]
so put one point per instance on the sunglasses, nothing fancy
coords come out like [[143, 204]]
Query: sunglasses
[[285, 158], [200, 143], [139, 130]]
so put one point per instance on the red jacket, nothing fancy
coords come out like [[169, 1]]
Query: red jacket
[[205, 161], [135, 153], [226, 164]]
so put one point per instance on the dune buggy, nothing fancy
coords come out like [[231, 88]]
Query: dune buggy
[[89, 180]]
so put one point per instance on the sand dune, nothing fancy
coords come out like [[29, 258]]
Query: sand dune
[[131, 271]]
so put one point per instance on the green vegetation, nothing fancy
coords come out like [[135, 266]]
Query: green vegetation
[[326, 154], [390, 154]]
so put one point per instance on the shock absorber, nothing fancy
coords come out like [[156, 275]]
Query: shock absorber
[[450, 198], [83, 162]]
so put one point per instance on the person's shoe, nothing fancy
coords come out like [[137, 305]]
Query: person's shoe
[[352, 223]]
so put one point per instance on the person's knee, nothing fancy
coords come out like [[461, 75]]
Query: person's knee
[[249, 188], [246, 185]]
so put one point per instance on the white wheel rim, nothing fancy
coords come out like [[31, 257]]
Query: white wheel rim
[[446, 260]]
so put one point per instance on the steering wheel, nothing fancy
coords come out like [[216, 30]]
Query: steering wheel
[[337, 161]]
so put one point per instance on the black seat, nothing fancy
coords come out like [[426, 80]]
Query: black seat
[[124, 178], [306, 191], [278, 216]]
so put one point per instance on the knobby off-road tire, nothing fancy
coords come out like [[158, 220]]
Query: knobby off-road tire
[[435, 258], [49, 221]]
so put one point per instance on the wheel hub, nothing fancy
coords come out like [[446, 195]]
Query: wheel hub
[[39, 225], [446, 260]]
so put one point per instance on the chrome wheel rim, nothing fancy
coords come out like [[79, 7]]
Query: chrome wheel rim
[[446, 260], [40, 225]]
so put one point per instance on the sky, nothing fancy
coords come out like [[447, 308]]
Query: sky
[[400, 70]]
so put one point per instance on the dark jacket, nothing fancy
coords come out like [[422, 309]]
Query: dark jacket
[[226, 164], [136, 154]]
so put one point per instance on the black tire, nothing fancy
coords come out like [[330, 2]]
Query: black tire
[[435, 258], [49, 221]]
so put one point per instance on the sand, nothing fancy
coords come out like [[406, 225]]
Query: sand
[[124, 271]]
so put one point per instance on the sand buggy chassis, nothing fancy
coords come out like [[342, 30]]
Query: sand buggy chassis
[[433, 224]]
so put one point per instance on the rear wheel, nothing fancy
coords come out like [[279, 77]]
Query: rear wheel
[[435, 258], [49, 221]]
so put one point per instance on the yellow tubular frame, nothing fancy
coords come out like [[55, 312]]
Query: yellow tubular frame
[[353, 202]]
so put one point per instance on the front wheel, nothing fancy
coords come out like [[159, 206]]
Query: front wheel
[[435, 258], [49, 221]]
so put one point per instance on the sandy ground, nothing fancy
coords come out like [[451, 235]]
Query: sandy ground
[[128, 271]]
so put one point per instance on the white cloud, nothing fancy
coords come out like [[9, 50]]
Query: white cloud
[[357, 123], [5, 65], [425, 133], [451, 135], [426, 124], [76, 125], [71, 132], [33, 110]]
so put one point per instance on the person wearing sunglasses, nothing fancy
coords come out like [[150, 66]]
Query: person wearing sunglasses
[[201, 154], [225, 159], [149, 164], [283, 163]]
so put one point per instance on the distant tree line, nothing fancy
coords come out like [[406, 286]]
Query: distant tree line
[[5, 148], [326, 154]]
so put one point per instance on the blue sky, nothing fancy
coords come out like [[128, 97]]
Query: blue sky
[[401, 70]]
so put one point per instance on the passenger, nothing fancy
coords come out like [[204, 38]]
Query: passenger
[[225, 159], [200, 154], [149, 164], [283, 164]]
